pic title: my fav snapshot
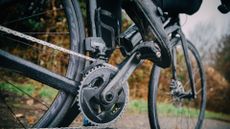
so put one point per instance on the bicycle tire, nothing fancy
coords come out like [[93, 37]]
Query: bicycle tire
[[155, 89], [60, 105]]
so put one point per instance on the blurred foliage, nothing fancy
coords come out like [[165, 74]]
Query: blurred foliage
[[138, 105], [218, 91], [46, 93], [218, 78], [44, 20], [222, 60]]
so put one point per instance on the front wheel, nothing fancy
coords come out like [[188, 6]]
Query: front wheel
[[168, 108]]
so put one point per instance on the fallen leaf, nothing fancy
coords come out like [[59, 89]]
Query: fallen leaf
[[31, 119], [30, 102], [18, 115]]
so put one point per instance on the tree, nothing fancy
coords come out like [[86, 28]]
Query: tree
[[222, 58]]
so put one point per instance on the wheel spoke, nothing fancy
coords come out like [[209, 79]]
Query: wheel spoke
[[165, 93], [186, 84], [199, 91], [176, 126], [12, 112], [181, 117], [47, 33], [16, 87], [19, 41], [31, 16]]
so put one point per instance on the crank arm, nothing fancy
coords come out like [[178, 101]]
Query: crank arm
[[145, 50], [121, 77]]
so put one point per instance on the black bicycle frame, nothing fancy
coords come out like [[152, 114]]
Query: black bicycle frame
[[37, 73], [104, 20], [188, 63]]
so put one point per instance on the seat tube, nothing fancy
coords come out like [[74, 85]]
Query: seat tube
[[108, 21]]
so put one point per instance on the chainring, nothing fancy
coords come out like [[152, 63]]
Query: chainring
[[89, 100]]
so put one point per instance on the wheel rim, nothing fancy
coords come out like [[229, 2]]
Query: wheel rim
[[35, 21], [176, 113]]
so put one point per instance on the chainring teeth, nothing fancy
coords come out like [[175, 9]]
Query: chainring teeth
[[85, 77]]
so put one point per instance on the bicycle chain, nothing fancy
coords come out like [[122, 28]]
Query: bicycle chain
[[50, 45]]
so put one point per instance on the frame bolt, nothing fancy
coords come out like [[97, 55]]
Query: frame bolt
[[109, 97], [158, 54]]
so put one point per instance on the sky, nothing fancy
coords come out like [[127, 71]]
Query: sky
[[206, 27], [208, 13]]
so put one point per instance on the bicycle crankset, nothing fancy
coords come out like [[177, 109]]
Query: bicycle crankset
[[91, 105]]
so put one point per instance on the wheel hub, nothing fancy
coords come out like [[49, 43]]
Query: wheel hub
[[90, 102], [176, 88], [177, 91]]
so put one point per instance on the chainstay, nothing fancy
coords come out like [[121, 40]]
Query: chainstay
[[50, 45]]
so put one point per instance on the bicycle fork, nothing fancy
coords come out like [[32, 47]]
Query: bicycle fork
[[192, 93]]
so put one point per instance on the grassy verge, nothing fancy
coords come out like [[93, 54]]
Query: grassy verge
[[140, 106], [136, 106], [43, 92], [217, 116]]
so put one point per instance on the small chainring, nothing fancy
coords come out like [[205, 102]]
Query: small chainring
[[89, 100]]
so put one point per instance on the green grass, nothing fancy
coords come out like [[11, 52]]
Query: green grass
[[171, 110], [45, 92], [217, 116], [140, 106]]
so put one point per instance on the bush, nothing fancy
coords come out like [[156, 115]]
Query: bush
[[222, 59]]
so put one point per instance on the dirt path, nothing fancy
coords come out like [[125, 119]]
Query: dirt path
[[128, 121], [140, 121], [7, 120]]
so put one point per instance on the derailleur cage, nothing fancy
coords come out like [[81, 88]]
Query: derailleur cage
[[97, 47]]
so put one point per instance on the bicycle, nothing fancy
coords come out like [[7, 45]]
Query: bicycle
[[92, 86]]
